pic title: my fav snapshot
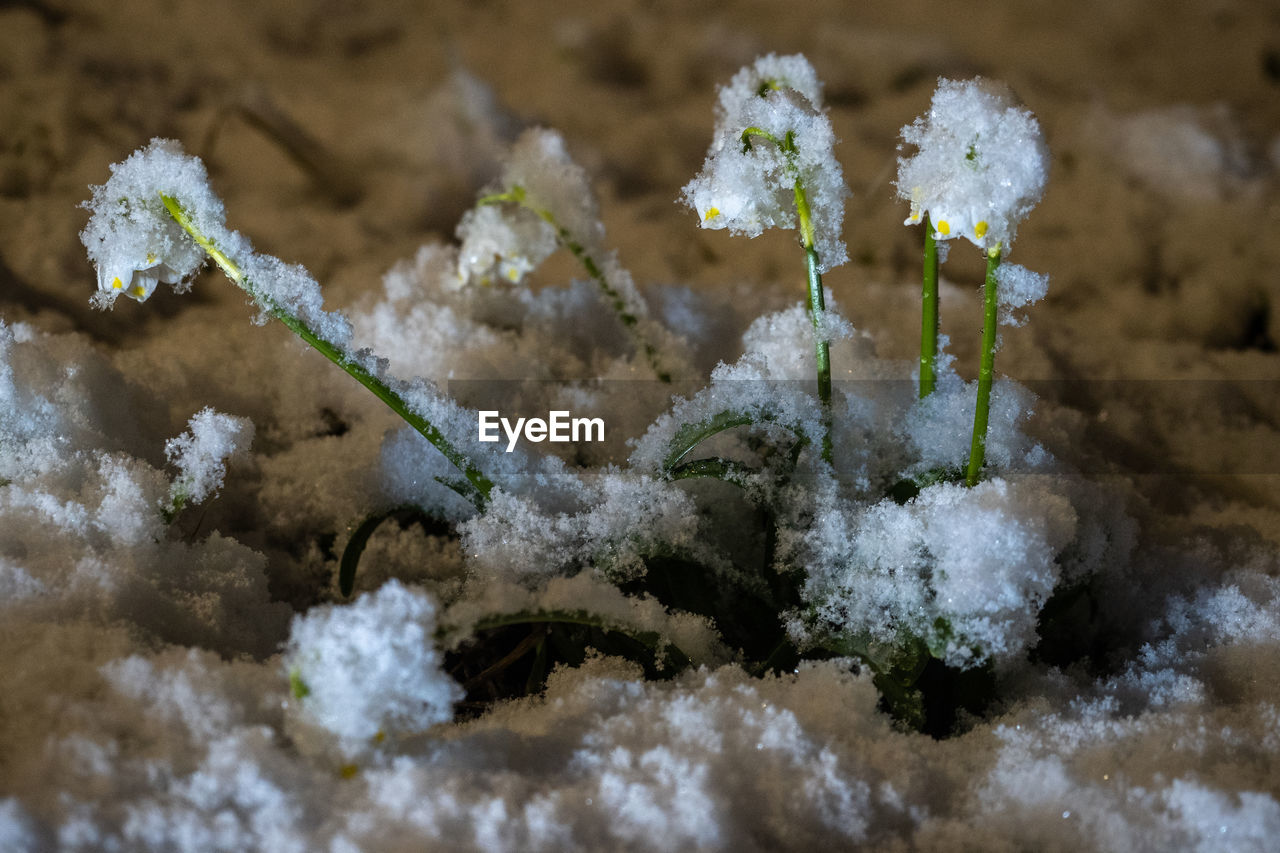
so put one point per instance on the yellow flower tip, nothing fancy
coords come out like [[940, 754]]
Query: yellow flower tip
[[117, 284], [151, 258], [980, 229], [944, 227], [712, 213], [139, 291], [380, 737], [513, 275], [348, 771]]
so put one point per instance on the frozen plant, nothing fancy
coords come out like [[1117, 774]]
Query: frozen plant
[[772, 165], [980, 165], [542, 200], [790, 556], [369, 670], [157, 218], [201, 455]]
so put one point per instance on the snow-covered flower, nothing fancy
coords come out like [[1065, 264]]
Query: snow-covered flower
[[981, 163], [132, 239], [748, 183], [502, 242], [132, 276]]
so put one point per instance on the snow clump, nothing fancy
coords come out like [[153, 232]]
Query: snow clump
[[370, 669], [201, 454]]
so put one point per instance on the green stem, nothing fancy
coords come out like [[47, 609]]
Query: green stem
[[929, 313], [615, 299], [977, 449], [817, 308], [479, 486]]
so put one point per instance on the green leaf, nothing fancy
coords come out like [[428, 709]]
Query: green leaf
[[297, 686], [721, 469], [360, 539], [654, 642], [691, 435]]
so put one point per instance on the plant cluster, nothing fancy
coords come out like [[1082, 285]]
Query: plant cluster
[[772, 516]]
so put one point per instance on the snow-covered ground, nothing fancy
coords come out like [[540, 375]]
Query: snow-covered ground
[[202, 684]]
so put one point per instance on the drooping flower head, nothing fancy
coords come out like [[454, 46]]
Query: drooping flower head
[[502, 243], [748, 185], [508, 241], [131, 239], [981, 163]]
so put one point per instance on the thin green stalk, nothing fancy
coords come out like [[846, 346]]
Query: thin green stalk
[[817, 308], [566, 239], [479, 486], [817, 303], [929, 312], [978, 448]]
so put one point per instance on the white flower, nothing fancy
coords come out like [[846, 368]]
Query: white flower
[[135, 277], [748, 185], [981, 164]]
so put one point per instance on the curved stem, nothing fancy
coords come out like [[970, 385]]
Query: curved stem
[[929, 312], [478, 485], [981, 413], [817, 307], [787, 144], [726, 470], [651, 640], [615, 299], [690, 436]]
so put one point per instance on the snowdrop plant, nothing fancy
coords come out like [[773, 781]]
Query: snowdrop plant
[[543, 200], [157, 219], [772, 165], [980, 166], [806, 558]]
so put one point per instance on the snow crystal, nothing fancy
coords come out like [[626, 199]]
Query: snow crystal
[[539, 164], [624, 518], [369, 669], [980, 166], [966, 569]]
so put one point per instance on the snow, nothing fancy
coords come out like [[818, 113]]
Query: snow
[[368, 671], [200, 454]]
